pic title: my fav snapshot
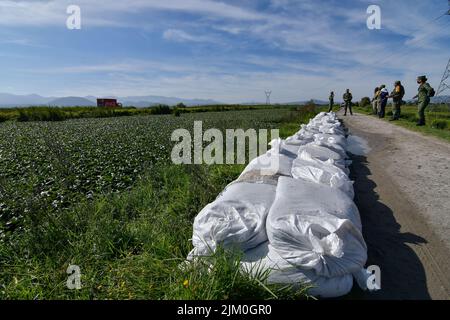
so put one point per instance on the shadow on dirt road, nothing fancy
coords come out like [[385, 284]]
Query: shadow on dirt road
[[402, 273]]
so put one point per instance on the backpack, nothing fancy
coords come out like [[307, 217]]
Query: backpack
[[432, 92], [402, 91]]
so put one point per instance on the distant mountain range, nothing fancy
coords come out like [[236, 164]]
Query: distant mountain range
[[12, 100]]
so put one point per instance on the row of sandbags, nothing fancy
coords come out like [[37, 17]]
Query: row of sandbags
[[291, 212]]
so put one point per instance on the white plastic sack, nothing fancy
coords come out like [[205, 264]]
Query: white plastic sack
[[331, 129], [264, 258], [316, 227], [331, 139], [269, 164], [322, 153], [235, 219], [324, 173]]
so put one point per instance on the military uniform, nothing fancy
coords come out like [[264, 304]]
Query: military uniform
[[331, 98], [397, 97], [424, 100], [348, 97]]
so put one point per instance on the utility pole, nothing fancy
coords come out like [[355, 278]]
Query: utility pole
[[268, 94]]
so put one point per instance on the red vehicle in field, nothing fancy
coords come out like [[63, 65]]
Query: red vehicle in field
[[108, 103]]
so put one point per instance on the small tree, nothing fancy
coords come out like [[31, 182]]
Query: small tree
[[365, 102]]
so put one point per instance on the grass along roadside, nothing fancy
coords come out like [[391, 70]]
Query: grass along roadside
[[130, 245], [437, 119]]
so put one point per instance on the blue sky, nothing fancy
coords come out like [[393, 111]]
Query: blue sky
[[230, 51]]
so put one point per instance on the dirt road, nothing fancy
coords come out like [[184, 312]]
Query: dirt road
[[402, 188]]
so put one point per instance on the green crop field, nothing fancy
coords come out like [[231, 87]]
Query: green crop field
[[102, 194]]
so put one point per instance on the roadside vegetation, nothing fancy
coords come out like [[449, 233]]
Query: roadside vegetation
[[437, 118], [42, 113], [102, 194]]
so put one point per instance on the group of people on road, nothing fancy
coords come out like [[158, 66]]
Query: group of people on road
[[348, 97], [381, 97]]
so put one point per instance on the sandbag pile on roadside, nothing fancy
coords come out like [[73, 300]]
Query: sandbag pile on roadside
[[292, 212]]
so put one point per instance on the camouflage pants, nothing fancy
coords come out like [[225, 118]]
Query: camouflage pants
[[348, 105], [397, 105], [422, 106]]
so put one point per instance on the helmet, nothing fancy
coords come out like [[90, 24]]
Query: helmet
[[397, 83], [422, 78]]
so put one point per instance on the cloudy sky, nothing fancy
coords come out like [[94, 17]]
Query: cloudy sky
[[229, 50]]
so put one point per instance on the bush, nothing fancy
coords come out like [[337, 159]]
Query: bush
[[161, 109], [41, 114], [365, 102], [439, 124], [3, 118]]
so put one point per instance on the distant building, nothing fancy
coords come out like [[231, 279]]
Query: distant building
[[108, 103]]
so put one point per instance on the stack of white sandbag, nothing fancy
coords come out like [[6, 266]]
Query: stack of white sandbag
[[292, 212]]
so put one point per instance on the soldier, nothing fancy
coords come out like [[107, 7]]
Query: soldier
[[425, 92], [383, 99], [331, 98], [397, 97], [375, 100], [348, 101]]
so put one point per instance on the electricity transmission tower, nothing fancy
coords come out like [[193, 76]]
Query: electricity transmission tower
[[268, 94], [444, 85]]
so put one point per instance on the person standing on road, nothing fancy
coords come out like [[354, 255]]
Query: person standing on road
[[424, 95], [348, 97], [384, 94], [331, 98], [397, 97], [375, 100]]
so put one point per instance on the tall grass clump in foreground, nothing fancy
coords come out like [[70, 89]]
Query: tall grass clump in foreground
[[131, 246]]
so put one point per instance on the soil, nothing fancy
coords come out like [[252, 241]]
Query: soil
[[402, 188]]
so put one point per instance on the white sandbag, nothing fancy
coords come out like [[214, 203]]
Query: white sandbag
[[298, 140], [235, 219], [316, 227], [331, 139], [322, 153], [265, 259], [324, 173], [331, 129], [333, 147], [270, 164], [280, 146]]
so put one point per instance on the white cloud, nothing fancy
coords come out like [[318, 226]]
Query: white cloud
[[183, 36]]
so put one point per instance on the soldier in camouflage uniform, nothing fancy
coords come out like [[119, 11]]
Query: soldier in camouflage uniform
[[331, 98], [397, 97], [348, 97], [425, 92]]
